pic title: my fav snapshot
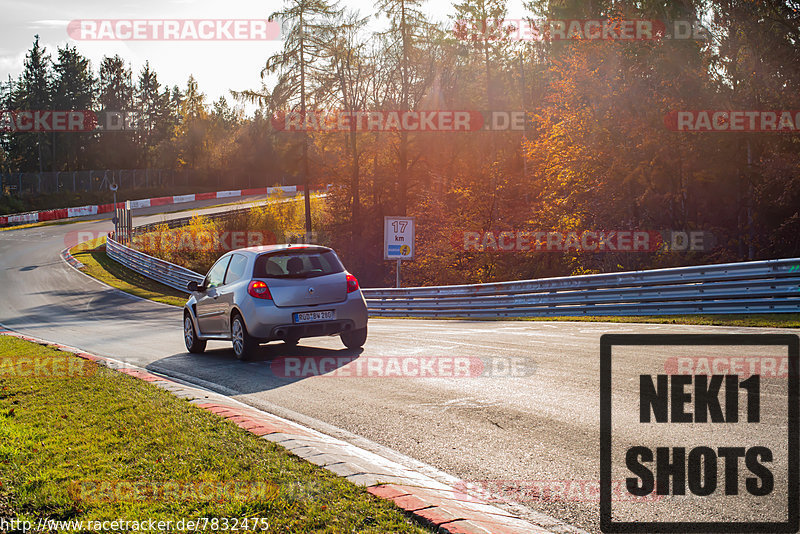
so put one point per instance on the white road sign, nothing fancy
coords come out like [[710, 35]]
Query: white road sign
[[398, 238]]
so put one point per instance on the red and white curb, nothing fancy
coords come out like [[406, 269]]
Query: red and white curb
[[438, 505], [81, 211], [70, 259]]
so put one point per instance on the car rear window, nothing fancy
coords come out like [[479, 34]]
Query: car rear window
[[297, 264]]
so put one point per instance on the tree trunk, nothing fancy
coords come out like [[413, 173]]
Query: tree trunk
[[306, 181]]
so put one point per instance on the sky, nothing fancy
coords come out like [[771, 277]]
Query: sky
[[218, 66]]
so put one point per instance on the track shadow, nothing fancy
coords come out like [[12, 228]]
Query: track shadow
[[272, 366]]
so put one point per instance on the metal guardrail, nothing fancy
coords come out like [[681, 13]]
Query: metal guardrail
[[771, 286], [167, 273]]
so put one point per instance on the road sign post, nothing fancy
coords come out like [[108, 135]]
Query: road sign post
[[123, 228], [115, 220], [398, 240]]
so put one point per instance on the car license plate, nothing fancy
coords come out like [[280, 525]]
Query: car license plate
[[307, 317]]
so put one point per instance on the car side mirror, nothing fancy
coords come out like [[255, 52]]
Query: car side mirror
[[193, 286]]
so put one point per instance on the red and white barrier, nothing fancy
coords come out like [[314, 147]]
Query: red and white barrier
[[24, 217], [81, 211], [136, 204]]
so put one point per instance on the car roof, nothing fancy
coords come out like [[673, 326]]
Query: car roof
[[265, 249]]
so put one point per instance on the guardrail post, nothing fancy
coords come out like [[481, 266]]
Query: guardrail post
[[398, 273]]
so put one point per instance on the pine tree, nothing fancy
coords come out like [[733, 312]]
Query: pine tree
[[152, 110], [117, 149], [309, 24], [407, 23], [74, 90], [33, 91], [351, 74]]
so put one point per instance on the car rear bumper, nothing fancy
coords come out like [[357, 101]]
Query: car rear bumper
[[324, 328], [267, 322]]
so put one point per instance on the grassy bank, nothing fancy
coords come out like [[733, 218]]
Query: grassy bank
[[98, 265], [56, 433]]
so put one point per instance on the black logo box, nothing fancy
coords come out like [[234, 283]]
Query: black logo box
[[607, 341]]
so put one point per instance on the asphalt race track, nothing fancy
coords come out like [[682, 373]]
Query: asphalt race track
[[540, 426]]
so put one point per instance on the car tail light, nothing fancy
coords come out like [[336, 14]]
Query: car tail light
[[259, 290], [352, 283]]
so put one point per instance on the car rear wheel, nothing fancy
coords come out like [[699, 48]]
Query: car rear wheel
[[354, 339], [193, 345], [243, 343]]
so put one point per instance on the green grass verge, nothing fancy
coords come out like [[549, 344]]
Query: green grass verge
[[58, 432], [98, 265]]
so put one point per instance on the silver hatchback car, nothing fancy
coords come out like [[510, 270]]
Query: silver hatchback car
[[277, 292]]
